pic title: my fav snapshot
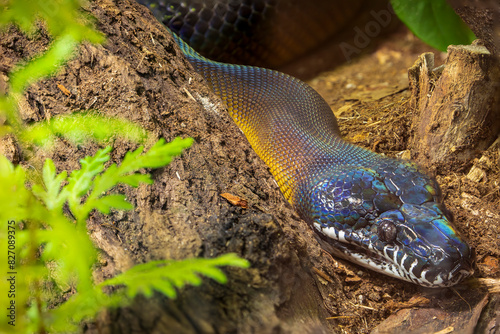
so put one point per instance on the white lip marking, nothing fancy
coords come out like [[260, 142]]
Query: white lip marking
[[413, 265], [438, 280], [402, 265], [423, 278], [385, 253], [395, 254], [328, 231], [390, 268]]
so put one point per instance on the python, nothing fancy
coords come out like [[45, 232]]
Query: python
[[379, 212]]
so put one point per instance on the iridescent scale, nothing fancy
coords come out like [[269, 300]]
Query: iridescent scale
[[379, 212], [247, 31]]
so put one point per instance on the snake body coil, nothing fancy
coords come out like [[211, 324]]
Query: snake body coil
[[379, 212]]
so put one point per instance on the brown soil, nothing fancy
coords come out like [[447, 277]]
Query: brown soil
[[293, 285]]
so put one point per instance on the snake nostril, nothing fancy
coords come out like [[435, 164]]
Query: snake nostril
[[387, 231]]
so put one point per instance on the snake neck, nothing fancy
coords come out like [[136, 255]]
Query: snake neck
[[293, 143], [293, 130], [379, 212]]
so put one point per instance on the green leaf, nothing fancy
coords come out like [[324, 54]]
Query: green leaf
[[66, 246], [158, 156], [165, 289], [67, 317], [80, 182], [231, 259], [61, 17], [134, 180], [70, 248], [79, 128], [214, 273], [14, 197], [57, 54], [81, 179], [51, 194], [166, 276], [434, 22], [117, 201], [107, 180]]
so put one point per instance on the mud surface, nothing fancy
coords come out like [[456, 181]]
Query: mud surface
[[293, 285]]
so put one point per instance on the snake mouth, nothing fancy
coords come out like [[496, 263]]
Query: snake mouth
[[388, 261], [362, 256]]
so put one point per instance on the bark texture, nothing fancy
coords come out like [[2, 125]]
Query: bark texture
[[457, 106], [483, 17]]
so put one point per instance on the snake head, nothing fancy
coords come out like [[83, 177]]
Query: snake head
[[390, 220]]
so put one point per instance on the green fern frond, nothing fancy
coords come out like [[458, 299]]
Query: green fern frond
[[116, 201], [57, 54], [79, 128], [166, 276], [59, 245], [81, 306], [51, 195], [13, 190], [159, 155], [50, 247], [62, 17]]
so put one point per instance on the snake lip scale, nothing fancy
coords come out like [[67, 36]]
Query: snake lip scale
[[381, 213]]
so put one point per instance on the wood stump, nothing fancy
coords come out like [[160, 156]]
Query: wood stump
[[457, 106]]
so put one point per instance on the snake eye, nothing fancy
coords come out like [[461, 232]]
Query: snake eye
[[387, 231]]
